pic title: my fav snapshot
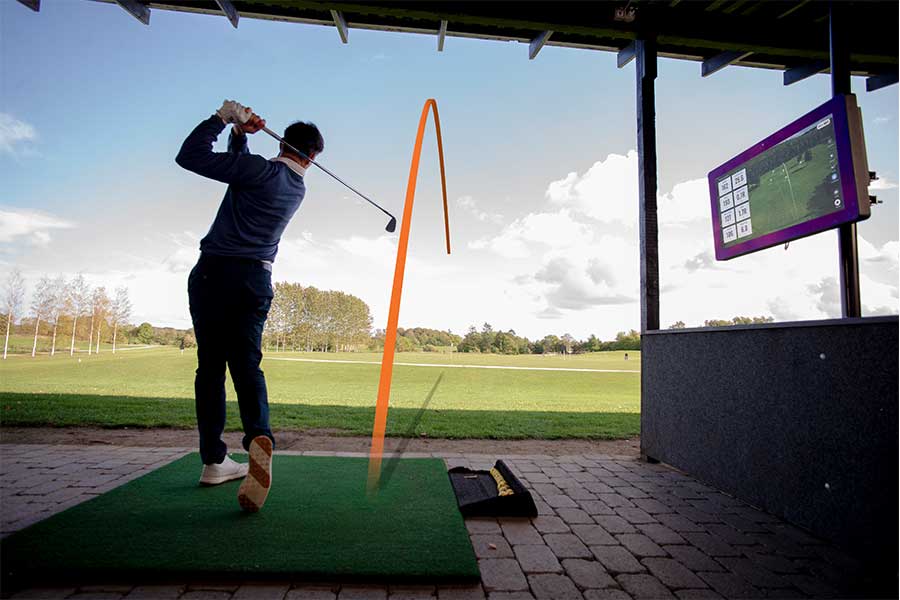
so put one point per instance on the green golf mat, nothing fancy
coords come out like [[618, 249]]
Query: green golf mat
[[318, 522]]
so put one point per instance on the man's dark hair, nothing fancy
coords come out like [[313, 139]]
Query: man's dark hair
[[304, 137]]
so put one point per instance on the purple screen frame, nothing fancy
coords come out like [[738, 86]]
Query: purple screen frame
[[837, 108]]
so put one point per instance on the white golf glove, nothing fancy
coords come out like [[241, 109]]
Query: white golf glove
[[234, 112]]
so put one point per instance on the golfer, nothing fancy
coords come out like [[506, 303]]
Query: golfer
[[230, 288]]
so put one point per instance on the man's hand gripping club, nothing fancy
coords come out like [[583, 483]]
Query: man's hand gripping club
[[242, 117]]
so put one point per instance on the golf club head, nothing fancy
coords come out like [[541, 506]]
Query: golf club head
[[392, 225]]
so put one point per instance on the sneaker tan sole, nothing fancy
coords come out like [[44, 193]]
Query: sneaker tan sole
[[255, 487]]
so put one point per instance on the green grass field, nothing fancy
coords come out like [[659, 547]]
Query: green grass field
[[781, 198], [154, 388]]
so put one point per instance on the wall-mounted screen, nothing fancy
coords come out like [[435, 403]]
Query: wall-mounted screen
[[807, 177]]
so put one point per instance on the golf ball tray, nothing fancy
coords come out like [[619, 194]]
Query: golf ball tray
[[494, 493]]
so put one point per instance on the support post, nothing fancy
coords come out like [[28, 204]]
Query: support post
[[645, 53], [840, 84]]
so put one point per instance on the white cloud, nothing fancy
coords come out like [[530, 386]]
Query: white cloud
[[536, 232], [13, 133], [882, 183], [606, 192], [31, 225], [469, 205]]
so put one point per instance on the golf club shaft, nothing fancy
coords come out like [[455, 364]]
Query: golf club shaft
[[303, 155]]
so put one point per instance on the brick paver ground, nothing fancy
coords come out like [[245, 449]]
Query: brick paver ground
[[609, 527]]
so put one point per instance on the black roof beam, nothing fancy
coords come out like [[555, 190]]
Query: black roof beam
[[341, 23], [876, 82], [442, 33], [626, 55], [535, 45], [136, 9], [720, 61], [34, 5], [230, 12], [801, 72]]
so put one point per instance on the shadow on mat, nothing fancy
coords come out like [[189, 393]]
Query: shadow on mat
[[391, 464]]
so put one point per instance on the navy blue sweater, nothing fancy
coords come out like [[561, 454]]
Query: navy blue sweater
[[261, 198]]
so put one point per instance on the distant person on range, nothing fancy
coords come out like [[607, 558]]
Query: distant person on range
[[230, 288]]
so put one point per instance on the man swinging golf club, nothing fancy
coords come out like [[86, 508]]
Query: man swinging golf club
[[230, 288]]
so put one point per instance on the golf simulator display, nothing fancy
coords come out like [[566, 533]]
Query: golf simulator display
[[318, 522], [809, 176], [494, 493]]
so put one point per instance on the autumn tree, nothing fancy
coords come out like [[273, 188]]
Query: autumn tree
[[13, 296], [57, 303], [41, 305], [79, 301], [120, 312], [100, 308]]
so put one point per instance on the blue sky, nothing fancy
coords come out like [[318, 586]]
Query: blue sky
[[105, 101]]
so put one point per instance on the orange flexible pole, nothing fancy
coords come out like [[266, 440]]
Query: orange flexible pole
[[390, 335]]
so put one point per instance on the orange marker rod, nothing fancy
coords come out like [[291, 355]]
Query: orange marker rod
[[390, 336]]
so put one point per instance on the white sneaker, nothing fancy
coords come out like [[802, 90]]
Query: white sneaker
[[227, 470]]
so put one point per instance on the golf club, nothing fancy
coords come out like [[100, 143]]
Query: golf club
[[392, 224]]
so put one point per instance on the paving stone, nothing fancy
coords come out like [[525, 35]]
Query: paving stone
[[812, 586], [698, 516], [553, 587], [261, 592], [566, 545], [644, 586], [587, 573], [482, 545], [594, 535], [606, 594], [730, 585], [510, 596], [543, 508], [617, 559], [729, 534], [652, 506], [537, 559], [155, 592], [584, 477], [520, 532], [672, 573], [550, 524], [710, 544], [536, 478], [615, 524], [547, 489], [470, 592], [560, 501], [580, 493], [632, 492], [477, 526], [598, 487], [206, 595], [502, 575], [362, 592], [411, 592], [693, 558], [615, 500], [554, 472], [704, 594], [784, 594], [44, 593], [660, 534], [311, 592], [640, 545], [743, 524], [679, 523], [773, 562], [574, 516], [634, 515], [754, 573], [595, 507]]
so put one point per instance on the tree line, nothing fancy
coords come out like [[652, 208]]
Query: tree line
[[310, 319], [62, 309], [727, 322]]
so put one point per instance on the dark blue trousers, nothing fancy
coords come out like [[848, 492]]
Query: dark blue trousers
[[229, 300]]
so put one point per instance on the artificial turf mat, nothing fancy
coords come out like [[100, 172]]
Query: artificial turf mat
[[318, 522]]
